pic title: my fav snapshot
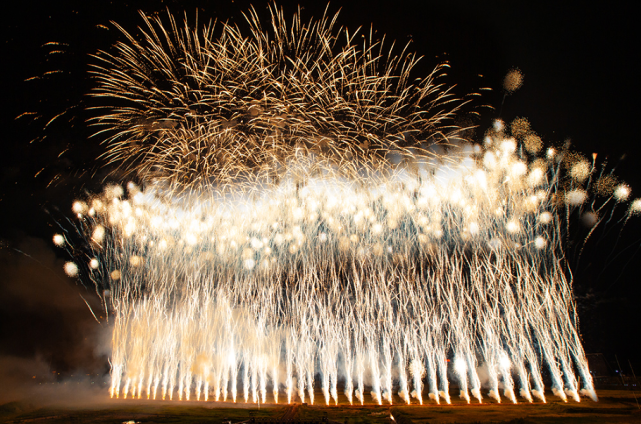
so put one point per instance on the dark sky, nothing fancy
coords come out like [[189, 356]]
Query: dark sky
[[580, 84]]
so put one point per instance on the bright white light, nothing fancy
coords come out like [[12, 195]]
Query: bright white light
[[71, 269], [576, 197], [540, 242], [622, 192], [460, 365], [79, 207], [545, 217], [58, 240], [93, 263], [512, 226]]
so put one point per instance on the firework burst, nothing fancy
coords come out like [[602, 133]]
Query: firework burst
[[196, 109]]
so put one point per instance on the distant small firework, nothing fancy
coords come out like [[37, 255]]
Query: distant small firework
[[296, 224], [513, 80]]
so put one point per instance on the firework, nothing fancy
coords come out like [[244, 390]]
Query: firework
[[295, 227], [213, 108], [513, 80]]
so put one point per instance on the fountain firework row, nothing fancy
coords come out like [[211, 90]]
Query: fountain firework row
[[375, 284]]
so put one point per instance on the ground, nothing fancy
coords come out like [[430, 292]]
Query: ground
[[613, 407]]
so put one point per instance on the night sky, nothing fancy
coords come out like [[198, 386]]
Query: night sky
[[580, 84]]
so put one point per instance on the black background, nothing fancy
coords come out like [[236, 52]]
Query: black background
[[580, 84]]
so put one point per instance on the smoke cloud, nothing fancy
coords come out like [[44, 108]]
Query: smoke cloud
[[48, 337]]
